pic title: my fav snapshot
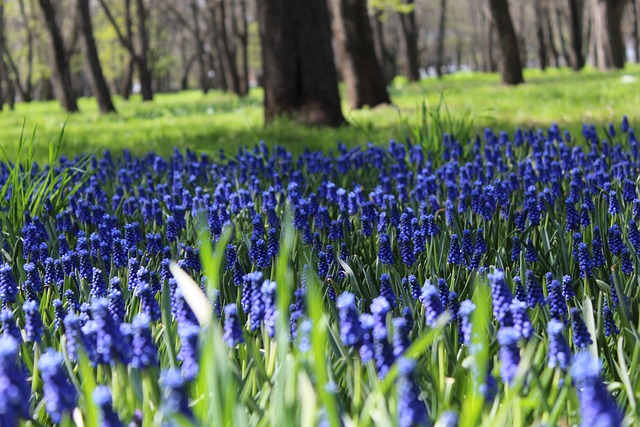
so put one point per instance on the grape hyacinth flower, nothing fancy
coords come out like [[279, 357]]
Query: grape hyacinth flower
[[232, 328], [175, 393], [102, 399], [386, 290], [144, 352], [430, 299], [610, 327], [464, 317], [581, 336], [383, 351], [385, 254], [350, 331], [521, 322], [535, 296], [59, 394], [33, 321], [508, 339], [8, 287], [559, 352], [597, 408], [15, 392], [412, 412], [455, 253]]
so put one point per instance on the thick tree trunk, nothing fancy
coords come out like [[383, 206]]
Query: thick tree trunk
[[576, 57], [60, 66], [610, 48], [563, 43], [442, 21], [363, 77], [542, 45], [142, 59], [301, 86], [635, 32], [411, 69], [511, 66], [97, 81]]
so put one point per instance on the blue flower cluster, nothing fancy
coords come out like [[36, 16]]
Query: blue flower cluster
[[398, 238]]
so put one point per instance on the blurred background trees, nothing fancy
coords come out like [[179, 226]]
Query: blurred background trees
[[70, 48]]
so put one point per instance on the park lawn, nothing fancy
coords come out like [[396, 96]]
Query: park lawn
[[221, 121]]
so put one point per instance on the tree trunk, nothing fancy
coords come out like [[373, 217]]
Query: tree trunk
[[60, 66], [576, 56], [563, 43], [127, 79], [97, 81], [511, 67], [542, 46], [555, 56], [608, 33], [441, 36], [227, 54], [363, 77], [241, 32], [636, 36], [411, 69], [385, 59], [298, 84], [142, 59]]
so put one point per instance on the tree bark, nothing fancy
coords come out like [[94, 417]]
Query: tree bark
[[363, 77], [555, 56], [241, 31], [97, 81], [60, 66], [442, 21], [142, 59], [411, 69], [298, 84], [576, 56], [227, 53], [511, 66], [608, 33], [200, 50], [127, 79], [635, 32], [563, 43], [385, 59], [542, 46]]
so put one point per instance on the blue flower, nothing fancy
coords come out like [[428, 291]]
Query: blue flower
[[8, 287], [412, 411], [175, 393], [60, 395], [597, 408], [430, 299], [144, 352], [581, 336], [386, 290], [15, 392], [33, 321], [535, 295], [610, 327], [464, 317], [559, 352], [455, 253], [232, 328], [102, 398], [509, 353]]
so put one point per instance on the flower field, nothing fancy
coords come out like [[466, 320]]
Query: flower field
[[489, 282]]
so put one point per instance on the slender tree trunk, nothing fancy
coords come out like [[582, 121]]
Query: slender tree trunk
[[442, 21], [411, 69], [635, 32], [511, 67], [555, 56], [301, 86], [241, 33], [127, 79], [363, 77], [142, 59], [227, 54], [477, 35], [576, 57], [97, 81], [200, 56], [60, 66], [385, 59], [608, 33], [563, 43], [542, 46]]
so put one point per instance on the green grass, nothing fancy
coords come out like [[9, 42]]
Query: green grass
[[222, 121]]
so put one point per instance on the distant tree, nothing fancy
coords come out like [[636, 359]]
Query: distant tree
[[139, 55], [609, 42], [541, 21], [97, 81], [635, 32], [510, 63], [411, 68], [361, 71], [300, 79], [442, 23], [60, 58], [219, 17]]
